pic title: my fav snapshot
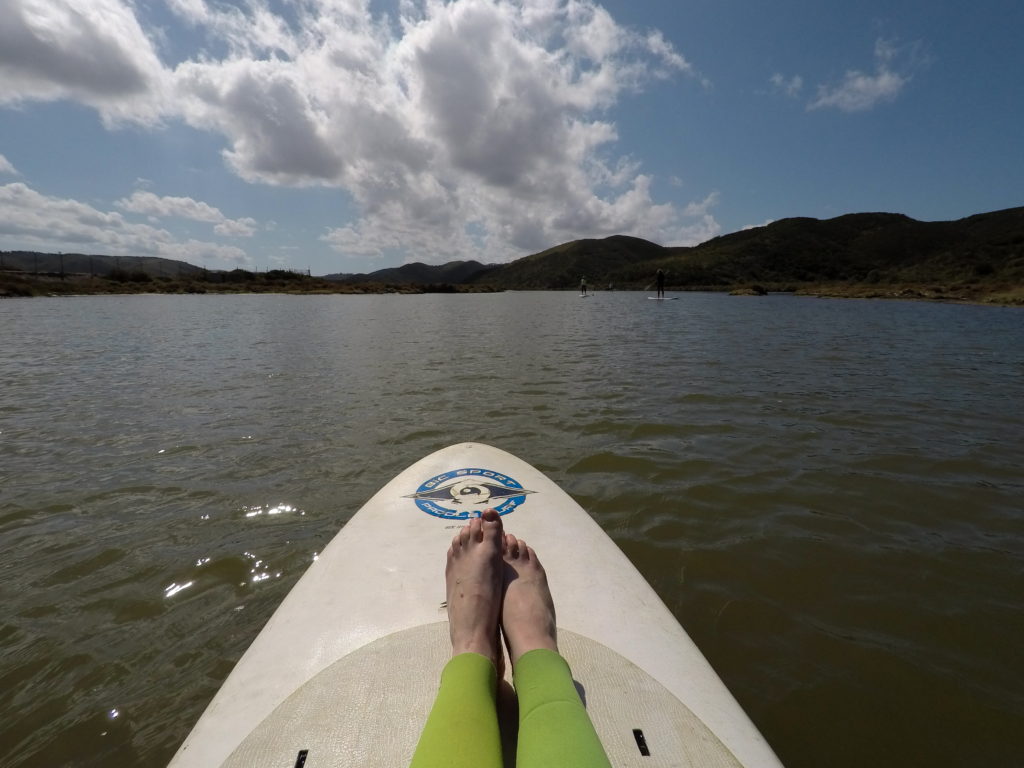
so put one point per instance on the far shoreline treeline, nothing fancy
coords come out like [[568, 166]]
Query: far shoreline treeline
[[132, 280], [868, 255]]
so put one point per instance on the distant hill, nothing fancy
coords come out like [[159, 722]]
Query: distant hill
[[94, 264], [855, 248], [600, 261], [979, 257], [861, 247], [418, 273]]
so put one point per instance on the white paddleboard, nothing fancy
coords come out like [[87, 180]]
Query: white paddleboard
[[662, 298], [346, 670]]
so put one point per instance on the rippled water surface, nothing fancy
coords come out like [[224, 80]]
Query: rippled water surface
[[827, 494]]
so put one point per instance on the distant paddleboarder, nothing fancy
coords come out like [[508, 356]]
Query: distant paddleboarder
[[583, 286], [661, 284]]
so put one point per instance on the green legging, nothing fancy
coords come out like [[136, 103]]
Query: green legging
[[554, 728]]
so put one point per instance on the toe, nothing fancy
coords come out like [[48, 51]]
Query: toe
[[476, 529], [491, 527], [511, 546]]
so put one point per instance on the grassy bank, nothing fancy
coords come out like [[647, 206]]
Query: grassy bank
[[982, 293], [970, 292], [16, 284]]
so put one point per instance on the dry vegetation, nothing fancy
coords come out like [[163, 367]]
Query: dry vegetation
[[17, 283]]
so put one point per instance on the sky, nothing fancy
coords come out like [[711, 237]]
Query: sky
[[353, 135]]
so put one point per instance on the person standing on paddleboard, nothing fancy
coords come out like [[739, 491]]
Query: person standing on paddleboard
[[661, 284], [583, 286]]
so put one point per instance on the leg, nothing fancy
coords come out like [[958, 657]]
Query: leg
[[462, 729], [554, 727]]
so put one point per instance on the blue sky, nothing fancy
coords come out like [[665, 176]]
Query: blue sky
[[352, 135]]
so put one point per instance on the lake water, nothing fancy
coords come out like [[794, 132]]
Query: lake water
[[827, 494]]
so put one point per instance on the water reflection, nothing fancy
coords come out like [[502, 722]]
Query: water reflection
[[174, 588], [278, 509]]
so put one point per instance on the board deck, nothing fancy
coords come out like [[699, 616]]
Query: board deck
[[347, 668], [662, 298]]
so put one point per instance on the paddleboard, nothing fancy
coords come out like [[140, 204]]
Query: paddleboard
[[662, 298], [586, 295], [347, 668]]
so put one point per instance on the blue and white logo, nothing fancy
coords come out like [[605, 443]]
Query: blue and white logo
[[465, 493]]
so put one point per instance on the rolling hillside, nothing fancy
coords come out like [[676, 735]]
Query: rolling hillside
[[856, 248], [563, 266], [863, 254], [99, 265], [418, 273], [861, 248]]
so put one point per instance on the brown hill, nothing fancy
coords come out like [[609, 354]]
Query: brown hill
[[563, 266]]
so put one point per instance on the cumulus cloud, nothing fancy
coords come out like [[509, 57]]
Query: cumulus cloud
[[52, 223], [251, 33], [155, 206], [92, 51], [702, 207], [7, 167], [470, 128], [859, 91]]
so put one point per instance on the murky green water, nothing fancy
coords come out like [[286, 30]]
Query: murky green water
[[827, 494]]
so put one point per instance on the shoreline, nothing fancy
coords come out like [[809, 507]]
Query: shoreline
[[22, 285]]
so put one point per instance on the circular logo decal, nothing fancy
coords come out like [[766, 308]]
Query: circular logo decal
[[465, 493]]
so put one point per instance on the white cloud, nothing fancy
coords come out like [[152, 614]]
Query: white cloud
[[702, 207], [764, 223], [92, 51], [455, 127], [671, 60], [859, 92], [249, 33], [790, 87], [52, 223], [698, 231], [7, 167], [592, 33], [150, 204], [244, 227]]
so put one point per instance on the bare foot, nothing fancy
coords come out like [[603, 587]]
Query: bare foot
[[473, 577], [527, 611]]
